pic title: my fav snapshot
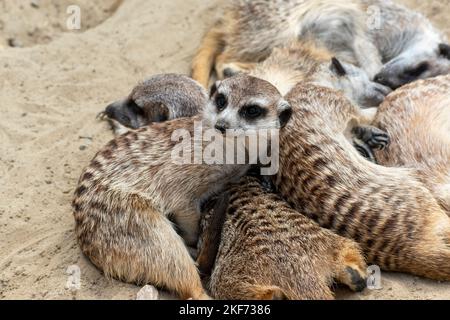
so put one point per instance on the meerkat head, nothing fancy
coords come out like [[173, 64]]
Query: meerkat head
[[419, 62], [246, 103], [356, 85], [157, 99]]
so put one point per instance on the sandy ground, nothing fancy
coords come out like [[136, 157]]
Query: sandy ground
[[53, 82]]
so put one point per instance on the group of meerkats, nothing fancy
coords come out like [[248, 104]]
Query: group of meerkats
[[364, 165]]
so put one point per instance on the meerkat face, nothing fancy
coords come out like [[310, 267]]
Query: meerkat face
[[355, 84], [159, 98], [419, 62], [246, 103]]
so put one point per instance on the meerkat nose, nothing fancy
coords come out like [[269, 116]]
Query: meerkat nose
[[222, 126]]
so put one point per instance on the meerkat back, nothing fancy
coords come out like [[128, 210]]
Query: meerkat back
[[388, 211], [270, 251], [417, 119]]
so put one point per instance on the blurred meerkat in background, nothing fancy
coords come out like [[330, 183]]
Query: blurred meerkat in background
[[365, 33]]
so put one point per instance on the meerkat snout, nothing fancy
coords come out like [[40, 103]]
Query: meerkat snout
[[419, 62], [246, 103]]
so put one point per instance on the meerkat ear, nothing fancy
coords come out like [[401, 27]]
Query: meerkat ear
[[284, 113], [337, 67], [444, 50], [213, 89], [127, 113]]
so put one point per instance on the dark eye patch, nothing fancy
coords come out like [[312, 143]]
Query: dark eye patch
[[221, 102], [252, 112], [418, 71]]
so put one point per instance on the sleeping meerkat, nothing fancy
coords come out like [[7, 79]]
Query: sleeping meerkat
[[417, 117], [270, 251], [133, 192], [305, 62], [411, 48], [392, 215], [404, 41], [249, 30], [160, 98]]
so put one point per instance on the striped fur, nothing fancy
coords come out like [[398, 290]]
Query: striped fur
[[388, 211]]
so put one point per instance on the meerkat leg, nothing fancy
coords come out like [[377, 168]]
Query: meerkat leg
[[226, 68], [367, 116], [352, 269]]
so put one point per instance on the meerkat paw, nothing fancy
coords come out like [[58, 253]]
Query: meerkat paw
[[258, 292], [375, 138], [353, 268]]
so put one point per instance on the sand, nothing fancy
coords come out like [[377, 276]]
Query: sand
[[52, 85]]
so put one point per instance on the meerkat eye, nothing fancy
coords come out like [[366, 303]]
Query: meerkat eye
[[417, 72], [221, 102], [252, 112]]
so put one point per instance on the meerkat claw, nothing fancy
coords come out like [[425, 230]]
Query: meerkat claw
[[375, 138]]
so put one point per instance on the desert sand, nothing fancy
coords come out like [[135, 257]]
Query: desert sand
[[53, 83]]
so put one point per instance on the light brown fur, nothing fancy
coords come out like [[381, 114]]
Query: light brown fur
[[131, 195], [388, 211], [270, 251], [249, 30], [417, 118], [306, 62]]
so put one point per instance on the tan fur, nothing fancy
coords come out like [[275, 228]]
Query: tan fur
[[417, 118], [204, 60], [306, 62], [298, 62], [249, 30], [270, 251], [132, 192], [388, 211]]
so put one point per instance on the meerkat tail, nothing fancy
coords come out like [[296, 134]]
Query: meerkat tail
[[204, 60], [213, 233]]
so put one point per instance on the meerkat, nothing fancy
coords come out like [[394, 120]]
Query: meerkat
[[270, 251], [365, 33], [396, 220], [411, 48], [136, 209], [305, 62], [249, 30], [417, 118], [160, 98]]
